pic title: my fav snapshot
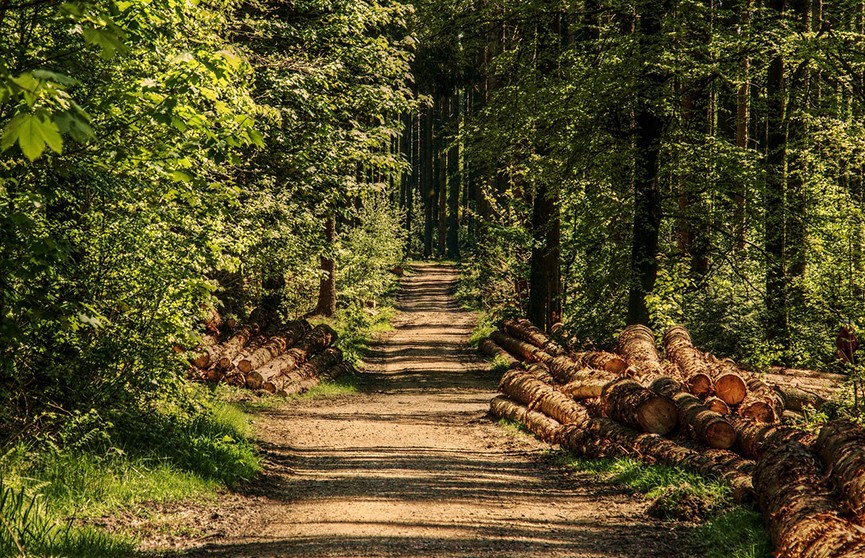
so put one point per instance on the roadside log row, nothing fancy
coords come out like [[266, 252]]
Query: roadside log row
[[602, 437], [290, 361]]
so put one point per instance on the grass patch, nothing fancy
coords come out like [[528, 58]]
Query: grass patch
[[483, 329], [726, 530], [346, 384], [513, 426], [99, 465]]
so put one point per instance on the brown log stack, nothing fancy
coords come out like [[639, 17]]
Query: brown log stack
[[272, 347], [695, 418], [841, 446], [233, 346], [317, 339]]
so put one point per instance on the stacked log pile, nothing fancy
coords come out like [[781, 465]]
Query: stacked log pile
[[289, 361], [708, 415]]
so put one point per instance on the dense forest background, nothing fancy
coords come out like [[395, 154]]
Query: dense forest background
[[592, 163]]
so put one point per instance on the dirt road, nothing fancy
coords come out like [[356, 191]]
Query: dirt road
[[412, 466]]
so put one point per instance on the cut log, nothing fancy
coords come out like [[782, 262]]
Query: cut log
[[520, 349], [762, 403], [489, 348], [716, 404], [526, 331], [207, 352], [602, 360], [630, 403], [802, 517], [695, 418], [637, 345], [841, 446], [796, 399], [680, 349], [539, 424], [232, 347], [273, 347], [710, 375]]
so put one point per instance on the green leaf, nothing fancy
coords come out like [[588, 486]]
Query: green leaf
[[35, 133]]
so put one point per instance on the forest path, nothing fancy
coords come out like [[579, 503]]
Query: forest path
[[411, 466]]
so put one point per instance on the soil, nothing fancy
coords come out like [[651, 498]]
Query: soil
[[412, 466]]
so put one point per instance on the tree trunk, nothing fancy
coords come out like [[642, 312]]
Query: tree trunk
[[647, 195], [427, 189], [777, 328], [327, 286], [743, 117], [454, 186]]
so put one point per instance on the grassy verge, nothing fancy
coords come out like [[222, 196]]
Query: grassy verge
[[96, 466], [723, 530]]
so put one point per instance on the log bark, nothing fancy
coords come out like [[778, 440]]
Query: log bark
[[489, 348], [803, 520], [754, 438], [539, 424], [680, 349], [274, 346], [232, 347], [312, 368], [526, 388], [637, 345], [524, 330], [800, 373], [797, 399], [695, 418], [762, 403], [841, 446], [520, 349]]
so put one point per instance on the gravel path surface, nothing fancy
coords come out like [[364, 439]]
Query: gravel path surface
[[413, 467]]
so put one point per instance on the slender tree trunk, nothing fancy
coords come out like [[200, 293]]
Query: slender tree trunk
[[777, 327], [545, 304], [743, 116], [327, 286], [453, 234], [427, 190], [647, 195]]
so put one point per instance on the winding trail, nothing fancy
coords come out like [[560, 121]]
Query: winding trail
[[413, 467]]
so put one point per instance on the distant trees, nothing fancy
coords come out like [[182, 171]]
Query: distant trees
[[706, 160]]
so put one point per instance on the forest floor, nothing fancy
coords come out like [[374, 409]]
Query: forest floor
[[411, 465]]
